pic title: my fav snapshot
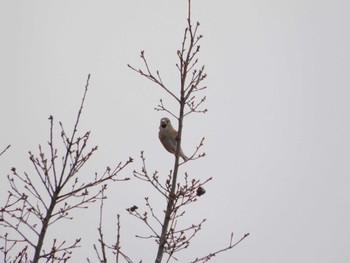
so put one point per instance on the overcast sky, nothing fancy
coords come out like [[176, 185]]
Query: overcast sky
[[277, 130]]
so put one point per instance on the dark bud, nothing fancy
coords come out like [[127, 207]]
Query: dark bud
[[200, 191], [132, 209]]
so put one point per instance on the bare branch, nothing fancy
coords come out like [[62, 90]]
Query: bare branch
[[101, 239], [213, 254], [7, 147], [194, 156], [161, 107], [153, 180], [151, 76]]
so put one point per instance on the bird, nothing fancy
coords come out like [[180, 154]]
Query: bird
[[167, 136]]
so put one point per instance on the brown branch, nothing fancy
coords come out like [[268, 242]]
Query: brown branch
[[7, 147], [161, 107], [149, 75], [201, 155], [153, 180], [213, 254], [100, 233], [144, 218]]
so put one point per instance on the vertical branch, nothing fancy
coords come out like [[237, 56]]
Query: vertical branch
[[171, 200], [62, 181], [44, 227], [100, 232], [70, 141], [117, 245]]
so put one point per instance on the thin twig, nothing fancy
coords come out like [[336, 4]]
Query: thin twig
[[213, 254], [7, 147]]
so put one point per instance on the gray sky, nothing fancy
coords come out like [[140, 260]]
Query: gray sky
[[277, 130]]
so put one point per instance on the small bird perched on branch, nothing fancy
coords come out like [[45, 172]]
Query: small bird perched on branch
[[167, 136]]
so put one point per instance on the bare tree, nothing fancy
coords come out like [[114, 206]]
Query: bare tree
[[172, 238], [37, 201]]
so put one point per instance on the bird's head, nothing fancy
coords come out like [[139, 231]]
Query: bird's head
[[164, 122]]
